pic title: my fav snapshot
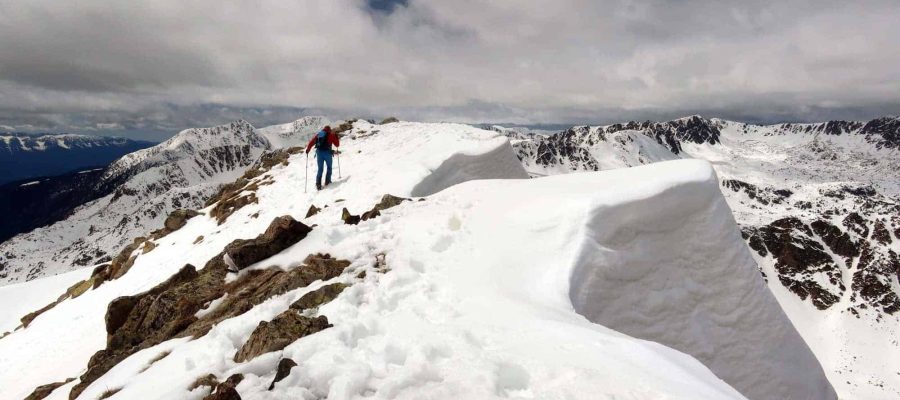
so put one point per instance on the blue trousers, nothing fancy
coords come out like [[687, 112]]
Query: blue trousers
[[323, 157]]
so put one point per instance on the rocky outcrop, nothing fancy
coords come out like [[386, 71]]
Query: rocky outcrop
[[277, 334], [764, 196], [873, 279], [256, 286], [801, 262], [227, 390], [282, 371], [319, 296], [282, 233], [169, 309], [837, 241], [175, 221], [44, 390], [387, 201]]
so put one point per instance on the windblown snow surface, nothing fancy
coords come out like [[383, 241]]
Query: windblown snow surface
[[484, 295], [843, 303]]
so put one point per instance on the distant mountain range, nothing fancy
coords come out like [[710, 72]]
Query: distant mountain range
[[25, 156], [82, 218], [818, 205]]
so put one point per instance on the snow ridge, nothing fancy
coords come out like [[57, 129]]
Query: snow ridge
[[809, 199], [466, 293]]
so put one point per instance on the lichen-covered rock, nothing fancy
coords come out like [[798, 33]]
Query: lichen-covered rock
[[277, 334], [282, 371], [257, 286], [178, 219], [319, 296]]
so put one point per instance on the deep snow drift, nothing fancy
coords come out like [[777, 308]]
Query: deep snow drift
[[819, 205], [468, 293]]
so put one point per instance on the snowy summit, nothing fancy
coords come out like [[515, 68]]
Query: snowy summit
[[419, 272]]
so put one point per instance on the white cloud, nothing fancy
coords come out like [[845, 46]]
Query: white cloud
[[532, 61]]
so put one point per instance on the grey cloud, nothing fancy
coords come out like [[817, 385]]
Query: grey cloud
[[156, 67]]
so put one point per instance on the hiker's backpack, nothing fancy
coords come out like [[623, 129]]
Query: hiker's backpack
[[322, 142]]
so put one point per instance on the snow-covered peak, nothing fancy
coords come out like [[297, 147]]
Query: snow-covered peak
[[21, 142], [472, 290], [293, 133]]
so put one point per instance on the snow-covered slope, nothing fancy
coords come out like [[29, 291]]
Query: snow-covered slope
[[137, 192], [469, 292], [295, 133], [817, 203], [27, 155]]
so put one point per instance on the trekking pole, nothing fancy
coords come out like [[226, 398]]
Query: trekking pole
[[339, 164], [306, 176]]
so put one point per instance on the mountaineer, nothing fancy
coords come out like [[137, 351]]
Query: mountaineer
[[323, 141]]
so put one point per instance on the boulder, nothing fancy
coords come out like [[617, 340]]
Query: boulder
[[282, 233], [348, 218], [283, 370], [226, 390], [319, 296], [277, 334], [178, 219]]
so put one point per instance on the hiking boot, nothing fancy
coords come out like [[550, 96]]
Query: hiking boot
[[318, 186]]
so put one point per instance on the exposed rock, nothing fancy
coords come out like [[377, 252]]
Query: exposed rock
[[44, 390], [283, 370], [319, 296], [880, 233], [169, 309], [389, 120], [226, 390], [209, 380], [282, 233], [140, 321], [198, 239], [277, 334], [26, 320], [873, 278], [387, 201], [346, 126], [798, 259], [256, 286], [178, 219], [839, 242], [857, 224], [148, 247], [313, 210], [762, 195], [348, 218], [228, 206]]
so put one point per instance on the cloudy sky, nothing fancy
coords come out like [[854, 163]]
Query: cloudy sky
[[148, 69]]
